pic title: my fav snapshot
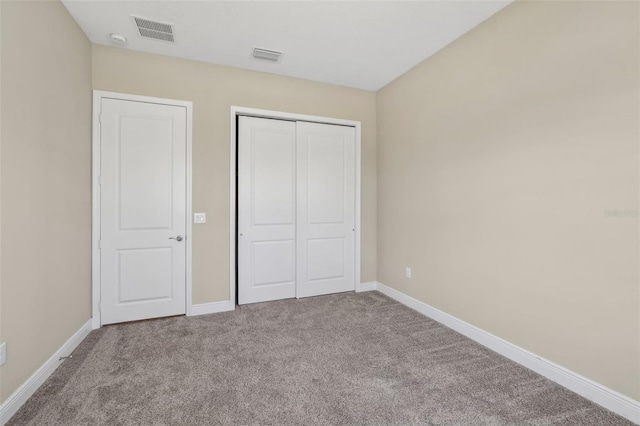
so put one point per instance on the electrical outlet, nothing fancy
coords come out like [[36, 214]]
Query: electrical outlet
[[3, 353], [199, 218], [407, 272]]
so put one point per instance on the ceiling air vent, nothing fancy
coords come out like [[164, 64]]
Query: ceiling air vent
[[154, 29], [266, 55]]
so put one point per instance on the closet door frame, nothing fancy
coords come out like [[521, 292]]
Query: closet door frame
[[237, 111]]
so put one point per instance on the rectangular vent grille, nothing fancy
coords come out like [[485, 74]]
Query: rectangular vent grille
[[266, 55], [155, 30]]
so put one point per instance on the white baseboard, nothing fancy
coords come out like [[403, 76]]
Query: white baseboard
[[595, 392], [211, 308], [371, 285], [28, 388]]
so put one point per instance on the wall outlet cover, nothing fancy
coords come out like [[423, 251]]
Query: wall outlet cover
[[407, 272]]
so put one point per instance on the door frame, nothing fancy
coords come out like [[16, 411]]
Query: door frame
[[98, 96], [280, 115]]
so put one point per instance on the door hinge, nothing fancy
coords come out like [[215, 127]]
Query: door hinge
[[100, 244]]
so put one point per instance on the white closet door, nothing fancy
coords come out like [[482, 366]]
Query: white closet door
[[267, 209], [142, 210], [326, 209]]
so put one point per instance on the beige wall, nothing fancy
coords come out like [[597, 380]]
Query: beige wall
[[213, 89], [46, 184], [497, 159]]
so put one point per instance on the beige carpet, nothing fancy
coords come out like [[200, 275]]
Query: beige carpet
[[346, 359]]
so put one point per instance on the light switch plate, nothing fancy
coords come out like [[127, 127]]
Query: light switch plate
[[3, 353], [199, 218]]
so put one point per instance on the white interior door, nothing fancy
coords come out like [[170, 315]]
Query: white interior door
[[142, 210], [326, 209], [267, 209]]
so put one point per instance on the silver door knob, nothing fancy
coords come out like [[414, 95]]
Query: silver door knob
[[178, 238]]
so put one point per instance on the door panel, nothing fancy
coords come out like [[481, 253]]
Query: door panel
[[272, 178], [267, 209], [273, 262], [145, 173], [143, 204], [325, 179], [326, 209], [144, 274], [326, 259]]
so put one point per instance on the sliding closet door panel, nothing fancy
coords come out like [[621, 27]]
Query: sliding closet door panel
[[326, 209], [267, 209]]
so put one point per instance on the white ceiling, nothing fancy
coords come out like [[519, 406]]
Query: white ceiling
[[361, 44]]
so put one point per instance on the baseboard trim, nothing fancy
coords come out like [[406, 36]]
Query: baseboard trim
[[369, 286], [95, 323], [211, 308], [593, 391], [31, 385]]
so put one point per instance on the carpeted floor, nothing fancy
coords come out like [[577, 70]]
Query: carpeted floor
[[346, 359]]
